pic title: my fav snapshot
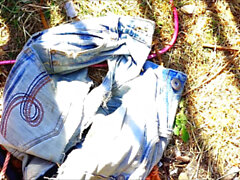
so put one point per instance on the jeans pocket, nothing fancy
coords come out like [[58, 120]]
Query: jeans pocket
[[37, 119], [75, 58]]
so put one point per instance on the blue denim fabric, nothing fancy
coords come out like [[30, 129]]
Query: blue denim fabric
[[130, 133], [48, 102]]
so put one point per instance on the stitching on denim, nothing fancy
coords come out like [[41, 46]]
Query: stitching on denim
[[26, 101], [56, 131]]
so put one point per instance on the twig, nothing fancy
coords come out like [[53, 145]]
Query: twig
[[194, 137], [160, 62], [149, 5], [209, 169], [37, 6], [219, 47], [211, 78], [193, 171], [44, 22], [198, 164], [180, 165]]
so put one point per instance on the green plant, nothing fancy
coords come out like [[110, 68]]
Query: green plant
[[180, 128]]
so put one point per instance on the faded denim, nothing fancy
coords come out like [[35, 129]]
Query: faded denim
[[48, 101]]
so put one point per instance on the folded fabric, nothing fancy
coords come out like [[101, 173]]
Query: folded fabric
[[49, 102]]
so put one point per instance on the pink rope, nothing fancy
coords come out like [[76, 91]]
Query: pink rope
[[5, 165], [7, 62], [174, 38]]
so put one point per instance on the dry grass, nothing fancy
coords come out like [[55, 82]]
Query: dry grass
[[214, 75]]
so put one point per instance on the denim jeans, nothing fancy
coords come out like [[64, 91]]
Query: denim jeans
[[48, 101]]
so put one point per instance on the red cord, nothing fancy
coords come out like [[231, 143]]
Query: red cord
[[5, 164], [175, 34]]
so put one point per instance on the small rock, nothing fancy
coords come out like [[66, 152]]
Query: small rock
[[174, 172], [183, 176], [188, 9]]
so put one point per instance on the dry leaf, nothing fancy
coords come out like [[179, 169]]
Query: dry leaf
[[2, 52], [185, 159]]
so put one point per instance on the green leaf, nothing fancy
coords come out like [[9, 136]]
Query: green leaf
[[184, 134], [182, 103], [178, 122], [176, 131], [183, 118]]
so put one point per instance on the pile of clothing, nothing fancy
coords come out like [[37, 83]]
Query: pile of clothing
[[53, 115]]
